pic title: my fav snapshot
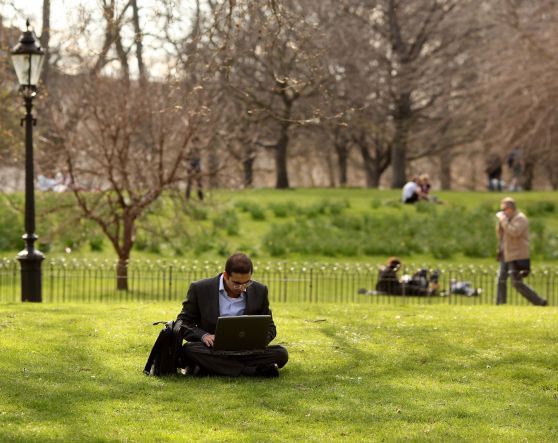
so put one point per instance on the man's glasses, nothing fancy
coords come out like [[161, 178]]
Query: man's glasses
[[236, 285]]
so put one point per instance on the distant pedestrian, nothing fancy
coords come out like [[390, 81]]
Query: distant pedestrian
[[517, 165], [494, 172], [513, 253], [194, 174]]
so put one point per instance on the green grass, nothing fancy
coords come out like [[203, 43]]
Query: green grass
[[356, 373]]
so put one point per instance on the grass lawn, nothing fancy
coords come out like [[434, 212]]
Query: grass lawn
[[357, 373]]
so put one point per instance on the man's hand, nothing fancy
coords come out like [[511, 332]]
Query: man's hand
[[208, 340], [501, 215]]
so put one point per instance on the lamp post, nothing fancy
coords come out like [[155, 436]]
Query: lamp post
[[27, 58]]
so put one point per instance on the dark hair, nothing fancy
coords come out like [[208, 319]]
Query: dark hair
[[393, 263], [239, 263]]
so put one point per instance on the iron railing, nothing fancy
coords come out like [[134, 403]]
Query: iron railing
[[73, 280]]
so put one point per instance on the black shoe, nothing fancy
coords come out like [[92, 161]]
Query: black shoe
[[544, 303], [268, 371]]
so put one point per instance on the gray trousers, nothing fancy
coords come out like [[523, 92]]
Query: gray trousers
[[506, 270], [196, 353]]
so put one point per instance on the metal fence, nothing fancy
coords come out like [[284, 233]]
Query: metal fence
[[95, 281]]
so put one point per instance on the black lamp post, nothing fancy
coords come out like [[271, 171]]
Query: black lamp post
[[27, 58]]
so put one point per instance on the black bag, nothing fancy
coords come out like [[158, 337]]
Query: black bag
[[164, 356], [522, 267]]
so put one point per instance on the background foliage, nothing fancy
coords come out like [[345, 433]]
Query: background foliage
[[316, 224]]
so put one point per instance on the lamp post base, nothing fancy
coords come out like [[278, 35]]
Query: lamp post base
[[31, 276]]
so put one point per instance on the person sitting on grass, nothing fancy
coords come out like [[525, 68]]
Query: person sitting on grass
[[420, 284], [412, 192], [231, 293]]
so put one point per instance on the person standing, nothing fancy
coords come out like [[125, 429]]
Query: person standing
[[517, 166], [231, 293], [513, 253], [194, 172], [494, 172]]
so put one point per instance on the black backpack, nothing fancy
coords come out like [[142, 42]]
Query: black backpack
[[165, 354]]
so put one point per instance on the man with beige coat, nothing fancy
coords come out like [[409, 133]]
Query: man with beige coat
[[513, 234]]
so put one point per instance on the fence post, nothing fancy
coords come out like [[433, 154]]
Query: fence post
[[310, 281]]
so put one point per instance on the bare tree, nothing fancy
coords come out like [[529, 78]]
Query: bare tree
[[123, 138], [273, 66], [520, 84], [406, 65]]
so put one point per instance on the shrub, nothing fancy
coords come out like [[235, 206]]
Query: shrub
[[550, 251], [425, 207], [375, 204], [538, 236], [197, 212], [228, 221], [96, 243], [242, 205], [256, 211], [282, 210], [202, 244], [324, 207], [11, 227], [542, 207], [223, 248], [442, 232]]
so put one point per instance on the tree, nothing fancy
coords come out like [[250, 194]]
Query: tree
[[123, 139], [520, 84], [274, 64], [408, 54]]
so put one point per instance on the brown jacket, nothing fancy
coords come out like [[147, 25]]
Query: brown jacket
[[514, 237]]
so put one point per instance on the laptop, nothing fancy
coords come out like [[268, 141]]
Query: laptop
[[242, 334]]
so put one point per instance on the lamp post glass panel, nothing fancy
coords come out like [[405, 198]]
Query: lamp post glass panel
[[27, 58]]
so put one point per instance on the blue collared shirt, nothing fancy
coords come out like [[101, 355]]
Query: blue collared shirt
[[228, 305]]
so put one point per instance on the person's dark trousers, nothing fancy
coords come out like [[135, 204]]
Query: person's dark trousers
[[506, 270], [196, 353], [412, 199], [189, 189]]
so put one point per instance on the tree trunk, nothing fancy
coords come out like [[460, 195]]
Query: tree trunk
[[370, 167], [248, 165], [528, 175], [342, 161], [281, 157], [551, 173], [399, 147], [446, 158], [45, 39], [124, 253], [213, 164], [331, 173], [139, 43], [122, 274]]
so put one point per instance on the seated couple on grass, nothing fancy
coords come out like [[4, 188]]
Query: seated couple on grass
[[232, 293], [421, 283]]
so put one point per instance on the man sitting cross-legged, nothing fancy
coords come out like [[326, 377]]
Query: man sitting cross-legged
[[231, 293]]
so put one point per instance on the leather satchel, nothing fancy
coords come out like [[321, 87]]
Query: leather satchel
[[522, 267]]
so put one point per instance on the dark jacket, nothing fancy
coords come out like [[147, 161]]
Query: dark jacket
[[200, 310], [388, 283]]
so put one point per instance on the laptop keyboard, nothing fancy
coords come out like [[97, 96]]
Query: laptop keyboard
[[237, 352]]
